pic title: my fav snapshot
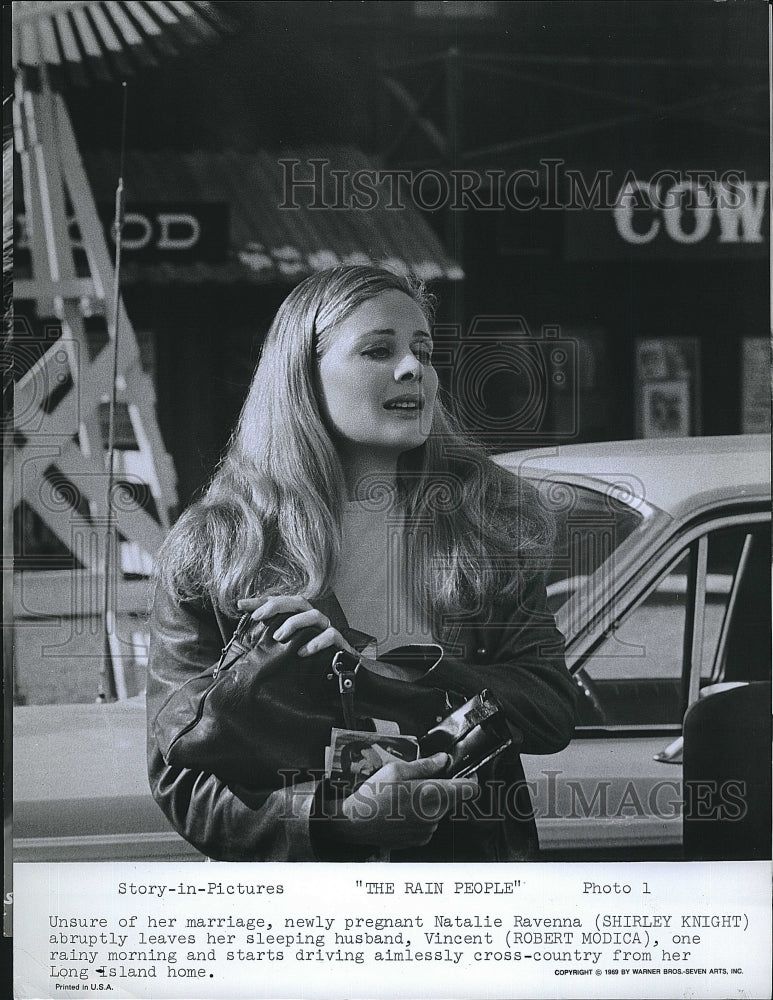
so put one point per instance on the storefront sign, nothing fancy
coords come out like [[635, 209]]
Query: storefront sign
[[181, 232], [670, 216], [687, 211]]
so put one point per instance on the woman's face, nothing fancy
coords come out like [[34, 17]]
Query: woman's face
[[377, 382]]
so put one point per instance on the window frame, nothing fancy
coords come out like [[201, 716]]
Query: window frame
[[716, 671]]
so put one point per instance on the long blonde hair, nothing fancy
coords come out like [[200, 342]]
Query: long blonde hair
[[270, 520]]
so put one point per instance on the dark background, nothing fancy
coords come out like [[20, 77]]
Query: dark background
[[616, 86]]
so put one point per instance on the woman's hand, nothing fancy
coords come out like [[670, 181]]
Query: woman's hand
[[402, 803], [262, 609]]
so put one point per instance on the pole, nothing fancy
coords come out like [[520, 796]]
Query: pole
[[107, 681]]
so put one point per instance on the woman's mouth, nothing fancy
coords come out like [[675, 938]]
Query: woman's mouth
[[404, 403]]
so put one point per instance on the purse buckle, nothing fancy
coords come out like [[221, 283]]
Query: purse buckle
[[345, 667]]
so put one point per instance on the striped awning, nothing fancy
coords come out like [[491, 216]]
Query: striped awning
[[80, 42], [269, 243]]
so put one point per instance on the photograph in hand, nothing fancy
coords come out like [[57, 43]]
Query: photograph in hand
[[356, 756]]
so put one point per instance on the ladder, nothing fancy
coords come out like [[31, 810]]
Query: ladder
[[60, 469]]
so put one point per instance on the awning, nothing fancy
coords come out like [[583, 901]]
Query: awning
[[80, 41], [262, 217]]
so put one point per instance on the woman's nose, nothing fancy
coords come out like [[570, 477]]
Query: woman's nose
[[408, 369]]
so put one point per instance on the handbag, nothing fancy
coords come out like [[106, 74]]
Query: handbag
[[262, 717]]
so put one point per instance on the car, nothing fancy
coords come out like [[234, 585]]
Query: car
[[660, 582]]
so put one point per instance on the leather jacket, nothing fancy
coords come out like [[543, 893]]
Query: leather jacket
[[517, 653]]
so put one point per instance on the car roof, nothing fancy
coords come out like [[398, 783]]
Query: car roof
[[677, 475]]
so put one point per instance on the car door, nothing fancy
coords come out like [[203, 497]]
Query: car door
[[694, 618]]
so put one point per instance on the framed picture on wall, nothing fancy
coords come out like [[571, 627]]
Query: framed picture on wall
[[666, 408], [667, 387], [755, 386]]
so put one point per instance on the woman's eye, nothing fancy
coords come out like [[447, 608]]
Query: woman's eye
[[376, 352], [423, 352]]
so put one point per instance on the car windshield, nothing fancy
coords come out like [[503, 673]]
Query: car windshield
[[590, 525]]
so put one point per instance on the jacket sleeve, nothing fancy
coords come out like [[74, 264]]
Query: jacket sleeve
[[222, 821], [519, 656]]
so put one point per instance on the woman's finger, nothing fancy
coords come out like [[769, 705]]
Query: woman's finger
[[306, 619], [331, 638], [250, 603], [277, 605], [414, 770]]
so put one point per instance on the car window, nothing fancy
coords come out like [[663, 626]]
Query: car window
[[634, 675], [589, 525]]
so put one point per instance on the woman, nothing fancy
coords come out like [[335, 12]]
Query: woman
[[348, 505]]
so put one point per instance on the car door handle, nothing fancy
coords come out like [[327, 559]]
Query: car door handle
[[672, 754]]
